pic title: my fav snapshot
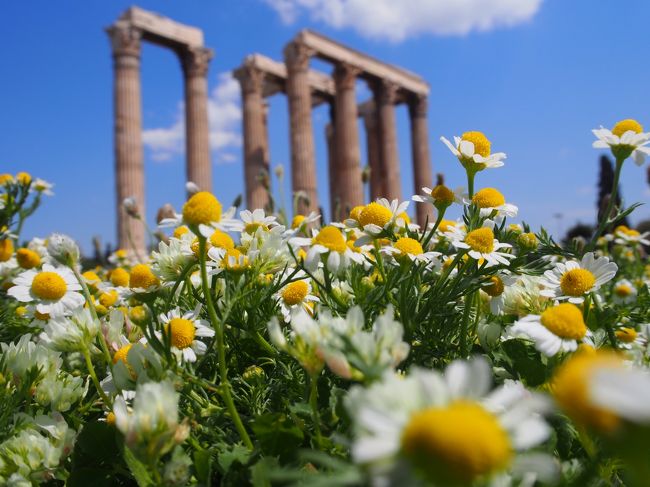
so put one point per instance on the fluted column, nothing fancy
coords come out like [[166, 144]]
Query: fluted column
[[421, 159], [372, 142], [303, 160], [385, 98], [256, 166], [129, 170], [349, 187], [195, 61]]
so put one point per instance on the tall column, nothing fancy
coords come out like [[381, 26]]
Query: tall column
[[129, 169], [195, 61], [256, 166], [377, 189], [303, 160], [331, 168], [349, 187], [421, 160], [385, 98]]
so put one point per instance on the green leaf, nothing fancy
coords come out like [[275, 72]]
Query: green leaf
[[526, 362], [97, 477], [238, 453], [203, 466], [277, 434], [138, 469], [261, 471]]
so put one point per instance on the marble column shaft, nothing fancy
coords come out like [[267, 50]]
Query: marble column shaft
[[303, 159], [377, 189], [195, 62], [256, 165], [129, 157], [422, 174], [349, 188], [385, 98]]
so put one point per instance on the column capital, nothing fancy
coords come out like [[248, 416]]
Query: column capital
[[125, 39], [196, 60], [386, 92], [251, 78], [296, 56], [418, 105], [345, 75]]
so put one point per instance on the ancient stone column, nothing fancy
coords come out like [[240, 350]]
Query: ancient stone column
[[331, 168], [421, 160], [372, 141], [195, 61], [349, 187], [303, 160], [129, 170], [385, 99], [256, 166]]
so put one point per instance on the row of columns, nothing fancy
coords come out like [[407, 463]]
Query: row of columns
[[129, 167]]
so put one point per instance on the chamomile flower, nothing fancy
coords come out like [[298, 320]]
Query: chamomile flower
[[473, 150], [573, 280], [171, 260], [440, 196], [493, 204], [54, 290], [627, 236], [296, 294], [203, 211], [445, 429], [624, 292], [143, 280], [300, 223], [495, 289], [256, 219], [182, 329], [481, 244], [410, 249], [557, 329], [626, 139], [377, 217], [628, 337], [327, 243]]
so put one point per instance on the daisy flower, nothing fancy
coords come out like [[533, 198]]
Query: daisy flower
[[626, 139], [493, 204], [171, 259], [481, 244], [378, 216], [573, 280], [328, 243], [54, 290], [495, 289], [300, 223], [182, 329], [473, 151], [203, 211], [296, 294], [409, 249], [256, 219], [446, 429], [142, 279], [441, 196], [557, 329], [626, 236], [624, 292]]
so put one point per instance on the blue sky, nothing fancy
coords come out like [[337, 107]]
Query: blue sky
[[536, 87]]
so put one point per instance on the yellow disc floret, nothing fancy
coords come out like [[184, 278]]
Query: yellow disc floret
[[627, 125], [181, 332], [495, 288], [142, 278], [481, 240], [488, 198], [375, 214], [49, 285], [623, 290], [24, 178], [119, 277], [295, 292], [221, 240], [355, 213], [408, 245], [565, 320], [330, 237], [481, 143], [626, 335], [6, 249], [27, 258], [122, 353], [180, 231], [108, 298], [459, 443], [297, 221], [571, 388], [576, 282], [443, 195], [202, 208]]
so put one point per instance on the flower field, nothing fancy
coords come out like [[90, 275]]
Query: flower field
[[252, 349]]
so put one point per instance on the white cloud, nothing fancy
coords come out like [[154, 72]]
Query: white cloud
[[224, 115], [396, 20]]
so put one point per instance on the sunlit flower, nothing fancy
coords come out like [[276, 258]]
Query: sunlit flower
[[473, 150], [493, 204], [182, 331], [481, 244], [495, 289], [626, 236], [624, 292], [377, 217], [440, 196], [256, 219], [626, 139], [297, 293]]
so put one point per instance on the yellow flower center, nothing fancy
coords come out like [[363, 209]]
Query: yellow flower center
[[110, 418], [481, 143], [122, 353], [488, 198], [375, 214], [24, 178], [627, 125], [27, 259], [181, 332], [180, 231], [221, 240], [527, 240], [408, 245], [442, 194], [355, 213], [571, 388], [623, 290], [6, 178], [41, 316], [297, 221], [121, 253], [142, 277], [91, 277], [565, 320], [119, 277], [404, 216], [21, 311], [109, 298], [446, 225], [234, 260], [331, 238], [138, 314], [251, 228], [295, 292], [626, 335], [576, 282], [458, 443], [49, 285], [481, 240], [626, 231], [202, 208], [6, 249], [495, 288]]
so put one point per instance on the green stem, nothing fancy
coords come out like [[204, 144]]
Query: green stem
[[470, 183], [464, 329], [611, 336], [610, 206], [313, 402], [221, 349], [261, 341], [93, 376], [441, 215]]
